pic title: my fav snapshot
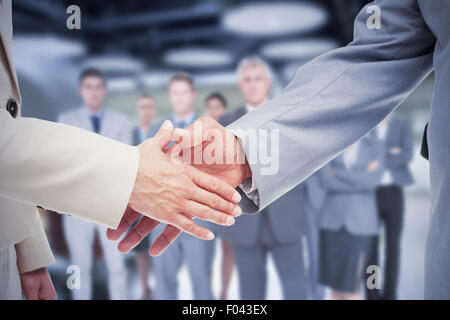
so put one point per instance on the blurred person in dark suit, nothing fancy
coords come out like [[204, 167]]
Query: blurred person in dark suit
[[146, 111], [279, 228], [349, 223], [315, 201], [193, 251], [215, 107], [396, 135], [80, 234]]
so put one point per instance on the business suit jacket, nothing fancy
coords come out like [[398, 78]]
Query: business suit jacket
[[114, 125], [52, 165], [338, 97], [351, 201], [399, 135], [287, 215]]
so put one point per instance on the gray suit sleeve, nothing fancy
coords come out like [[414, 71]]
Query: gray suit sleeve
[[338, 97], [405, 156]]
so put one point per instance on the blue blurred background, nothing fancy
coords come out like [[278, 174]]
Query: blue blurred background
[[139, 45]]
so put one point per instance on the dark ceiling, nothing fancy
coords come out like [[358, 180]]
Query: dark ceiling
[[147, 29]]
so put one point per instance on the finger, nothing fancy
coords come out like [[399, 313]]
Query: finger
[[187, 225], [181, 136], [139, 232], [181, 149], [213, 201], [200, 125], [164, 135], [206, 213], [128, 218], [169, 150], [216, 185], [164, 240]]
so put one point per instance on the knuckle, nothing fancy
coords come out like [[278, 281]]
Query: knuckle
[[205, 213], [195, 193], [230, 206], [165, 239], [185, 190], [213, 184], [189, 227], [223, 218], [214, 200]]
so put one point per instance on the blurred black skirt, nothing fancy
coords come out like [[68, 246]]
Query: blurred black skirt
[[343, 259]]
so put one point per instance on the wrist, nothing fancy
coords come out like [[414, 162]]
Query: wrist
[[137, 182], [244, 167], [35, 271], [246, 171]]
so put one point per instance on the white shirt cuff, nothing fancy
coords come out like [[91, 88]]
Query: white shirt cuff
[[250, 189]]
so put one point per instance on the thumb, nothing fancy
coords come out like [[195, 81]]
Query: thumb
[[164, 135]]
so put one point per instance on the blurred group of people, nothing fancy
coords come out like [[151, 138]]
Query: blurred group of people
[[323, 233]]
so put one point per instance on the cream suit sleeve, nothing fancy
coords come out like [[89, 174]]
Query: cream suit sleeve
[[34, 251], [66, 169], [54, 166]]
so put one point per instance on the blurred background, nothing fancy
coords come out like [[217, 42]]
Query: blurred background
[[139, 45]]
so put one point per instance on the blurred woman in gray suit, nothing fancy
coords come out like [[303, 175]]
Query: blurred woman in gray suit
[[349, 222]]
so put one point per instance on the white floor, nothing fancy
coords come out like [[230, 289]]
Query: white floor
[[411, 269], [185, 292], [411, 283]]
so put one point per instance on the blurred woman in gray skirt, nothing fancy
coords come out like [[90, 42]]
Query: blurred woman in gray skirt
[[349, 223]]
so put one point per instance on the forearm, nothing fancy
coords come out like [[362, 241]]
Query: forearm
[[337, 98]]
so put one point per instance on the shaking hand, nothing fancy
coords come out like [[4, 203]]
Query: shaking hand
[[174, 193], [208, 146]]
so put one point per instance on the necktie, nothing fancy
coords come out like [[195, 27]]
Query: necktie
[[96, 123]]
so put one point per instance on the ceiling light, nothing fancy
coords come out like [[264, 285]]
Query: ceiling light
[[121, 83], [198, 58], [47, 46], [272, 19], [115, 63], [297, 49], [155, 78]]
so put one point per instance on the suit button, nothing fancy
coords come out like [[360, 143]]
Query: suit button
[[12, 107]]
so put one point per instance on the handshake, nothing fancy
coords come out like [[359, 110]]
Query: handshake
[[183, 174]]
